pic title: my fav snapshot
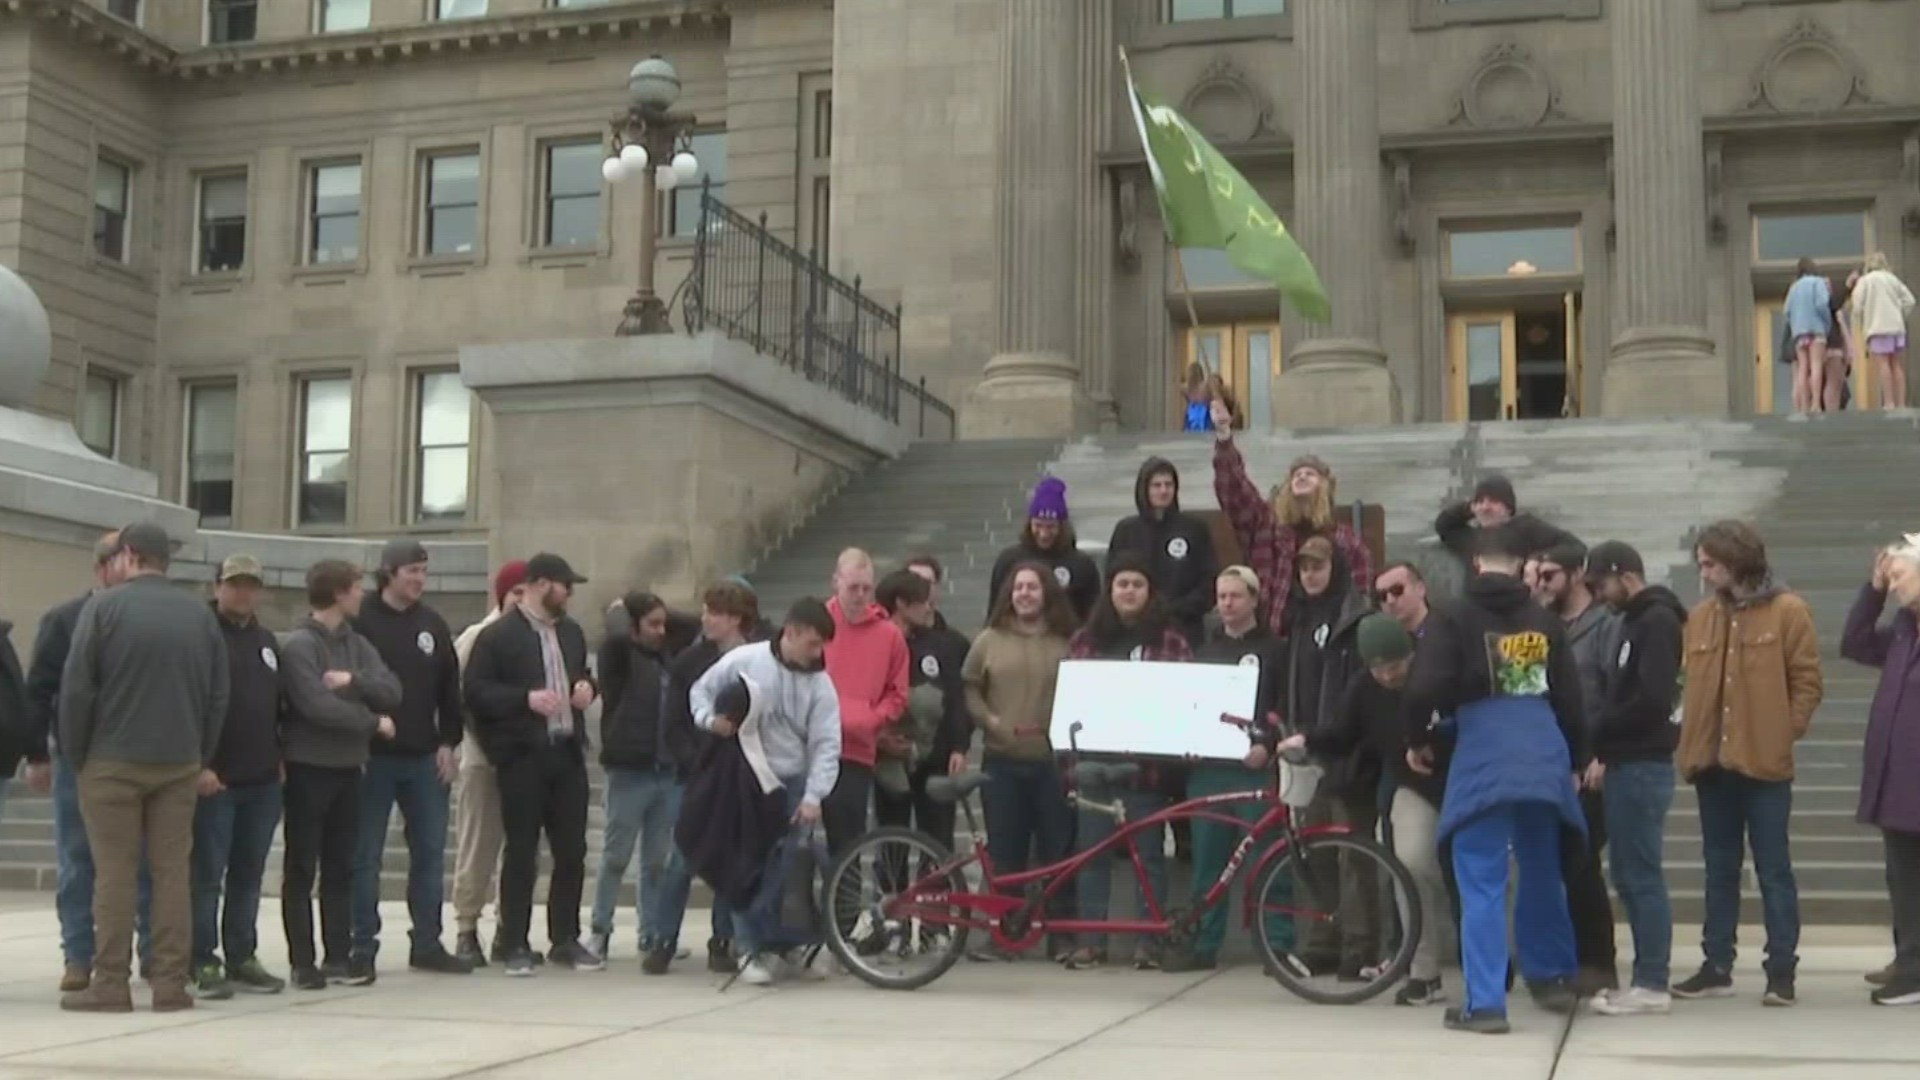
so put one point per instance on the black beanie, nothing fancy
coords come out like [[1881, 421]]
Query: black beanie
[[1500, 490]]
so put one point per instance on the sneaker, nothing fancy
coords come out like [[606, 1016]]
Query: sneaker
[[439, 961], [308, 978], [210, 981], [519, 965], [467, 947], [794, 966], [1633, 1001], [1884, 976], [252, 977], [576, 957], [1708, 982], [657, 961], [1779, 993], [755, 971], [1480, 1022], [720, 956], [360, 971], [1146, 956], [601, 945], [1418, 992], [1554, 995], [75, 977], [1900, 990], [1085, 958], [335, 971]]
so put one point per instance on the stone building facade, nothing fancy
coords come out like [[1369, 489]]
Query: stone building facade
[[264, 229]]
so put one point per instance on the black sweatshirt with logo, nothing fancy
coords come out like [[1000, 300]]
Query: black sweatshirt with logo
[[1639, 719], [249, 748], [417, 647]]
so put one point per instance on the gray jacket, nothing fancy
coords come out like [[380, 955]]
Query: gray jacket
[[1595, 639], [145, 682], [333, 728]]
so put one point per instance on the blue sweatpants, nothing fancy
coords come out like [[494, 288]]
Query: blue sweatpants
[[1530, 834]]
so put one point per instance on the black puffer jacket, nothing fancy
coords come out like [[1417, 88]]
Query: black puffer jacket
[[639, 726], [1178, 548]]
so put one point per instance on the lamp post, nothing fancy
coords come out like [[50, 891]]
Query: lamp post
[[651, 145]]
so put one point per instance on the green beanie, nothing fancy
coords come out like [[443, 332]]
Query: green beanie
[[1382, 640]]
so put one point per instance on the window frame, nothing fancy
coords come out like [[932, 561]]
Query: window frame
[[302, 383], [1434, 14], [206, 23], [309, 176], [1448, 229], [814, 180], [424, 207], [1158, 29], [117, 382], [1757, 213], [544, 198], [1226, 15], [197, 267], [128, 183], [188, 389], [436, 11], [418, 447], [320, 9], [669, 216]]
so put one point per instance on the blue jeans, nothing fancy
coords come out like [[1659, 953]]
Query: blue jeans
[[232, 833], [1736, 812], [642, 806], [1529, 833], [676, 884], [757, 929], [1027, 813], [1095, 885], [414, 783], [73, 877], [1637, 796]]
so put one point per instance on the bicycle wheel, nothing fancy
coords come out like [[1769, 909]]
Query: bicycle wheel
[[892, 952], [1300, 910]]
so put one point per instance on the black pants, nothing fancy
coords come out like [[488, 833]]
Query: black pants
[[913, 807], [1903, 889], [321, 829], [1587, 901], [545, 790], [845, 811]]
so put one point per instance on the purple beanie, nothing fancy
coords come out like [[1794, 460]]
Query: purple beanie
[[1049, 501]]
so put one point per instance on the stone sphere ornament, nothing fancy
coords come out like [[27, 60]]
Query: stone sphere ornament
[[26, 340]]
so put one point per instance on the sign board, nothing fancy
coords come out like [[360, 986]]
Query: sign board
[[1155, 708]]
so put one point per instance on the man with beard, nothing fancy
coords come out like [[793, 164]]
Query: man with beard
[[1048, 539], [1494, 503], [1178, 547], [1273, 529], [1593, 636]]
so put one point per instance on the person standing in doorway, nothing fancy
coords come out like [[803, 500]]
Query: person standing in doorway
[[867, 660], [1752, 684], [1048, 539], [1178, 546], [413, 770], [1809, 311], [476, 818], [1884, 303], [1633, 743], [239, 808], [142, 700]]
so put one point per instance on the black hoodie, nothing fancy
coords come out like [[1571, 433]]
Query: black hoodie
[[1072, 568], [1323, 655], [249, 750], [1640, 719], [417, 647], [1456, 530], [1178, 549], [936, 654]]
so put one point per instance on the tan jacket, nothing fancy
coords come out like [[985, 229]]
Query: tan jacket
[[471, 755], [1752, 684]]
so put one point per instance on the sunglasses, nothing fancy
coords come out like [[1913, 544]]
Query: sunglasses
[[1391, 592]]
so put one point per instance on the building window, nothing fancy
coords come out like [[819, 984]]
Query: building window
[[459, 9], [223, 223], [326, 441], [1513, 252], [112, 195], [816, 165], [1786, 236], [443, 430], [450, 216], [1196, 10], [570, 175], [230, 22], [684, 213], [212, 412], [333, 16], [333, 213], [125, 9], [1212, 268], [99, 421]]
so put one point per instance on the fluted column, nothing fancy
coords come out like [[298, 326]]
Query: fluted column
[[1336, 371], [1662, 362], [1032, 384]]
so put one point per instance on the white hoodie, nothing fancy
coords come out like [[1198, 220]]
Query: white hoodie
[[800, 724]]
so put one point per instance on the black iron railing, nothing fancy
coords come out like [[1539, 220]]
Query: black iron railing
[[759, 289]]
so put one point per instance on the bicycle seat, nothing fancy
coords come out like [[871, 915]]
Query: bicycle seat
[[948, 789], [1098, 774]]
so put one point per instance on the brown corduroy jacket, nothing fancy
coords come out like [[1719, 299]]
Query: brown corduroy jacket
[[1753, 681]]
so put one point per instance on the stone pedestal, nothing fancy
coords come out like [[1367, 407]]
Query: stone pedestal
[[1662, 363], [1027, 396]]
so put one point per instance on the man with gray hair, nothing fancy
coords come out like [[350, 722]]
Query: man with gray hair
[[867, 659]]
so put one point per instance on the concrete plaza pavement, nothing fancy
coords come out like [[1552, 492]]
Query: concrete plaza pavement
[[982, 1022]]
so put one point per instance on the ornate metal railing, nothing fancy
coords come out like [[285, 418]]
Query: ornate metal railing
[[759, 289]]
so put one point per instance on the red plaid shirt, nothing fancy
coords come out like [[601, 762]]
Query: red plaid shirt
[[1269, 546]]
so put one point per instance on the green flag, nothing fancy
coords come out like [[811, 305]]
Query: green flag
[[1206, 203]]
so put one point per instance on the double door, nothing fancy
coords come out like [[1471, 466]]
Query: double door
[[1773, 362], [1247, 356], [1517, 363]]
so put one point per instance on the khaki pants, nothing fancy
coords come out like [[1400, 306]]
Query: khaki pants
[[478, 841], [129, 808]]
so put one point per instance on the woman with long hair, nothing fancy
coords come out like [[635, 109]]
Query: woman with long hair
[[1009, 675], [1129, 623], [1883, 302]]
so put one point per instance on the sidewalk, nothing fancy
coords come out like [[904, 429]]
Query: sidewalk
[[982, 1022]]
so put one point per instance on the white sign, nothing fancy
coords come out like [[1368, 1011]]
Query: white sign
[[1154, 707]]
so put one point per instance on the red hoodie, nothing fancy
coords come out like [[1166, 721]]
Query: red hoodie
[[867, 661]]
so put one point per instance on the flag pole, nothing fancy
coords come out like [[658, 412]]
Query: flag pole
[[1179, 259]]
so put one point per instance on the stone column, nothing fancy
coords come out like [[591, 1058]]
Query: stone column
[[1336, 372], [1032, 385], [1662, 362]]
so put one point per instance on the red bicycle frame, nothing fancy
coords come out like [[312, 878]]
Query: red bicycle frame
[[928, 897]]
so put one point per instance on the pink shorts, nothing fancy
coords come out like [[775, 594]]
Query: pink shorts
[[1886, 344]]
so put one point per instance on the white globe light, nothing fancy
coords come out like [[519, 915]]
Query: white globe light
[[664, 178], [634, 156], [686, 167], [612, 170]]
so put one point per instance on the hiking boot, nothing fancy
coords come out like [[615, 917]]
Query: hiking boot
[[519, 965], [1779, 993], [360, 971], [575, 956], [1554, 995], [438, 961], [1900, 990], [467, 947], [252, 977], [1421, 992], [308, 978], [209, 982], [657, 960], [755, 971], [1633, 1001], [172, 999], [1479, 1022], [98, 998], [720, 956], [1708, 982], [76, 977]]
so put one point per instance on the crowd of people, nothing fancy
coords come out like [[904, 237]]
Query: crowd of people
[[1504, 741]]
